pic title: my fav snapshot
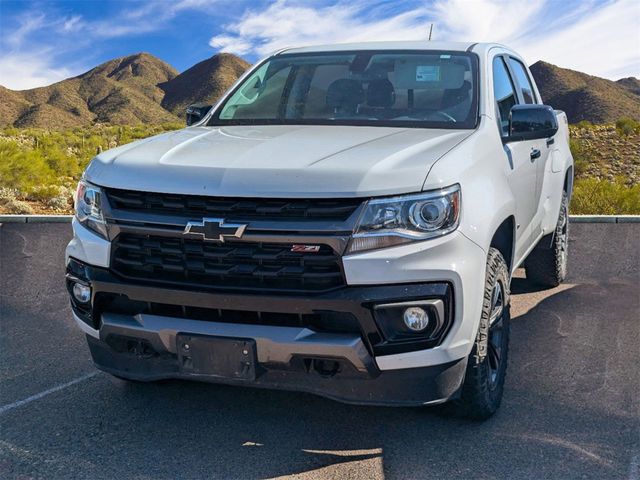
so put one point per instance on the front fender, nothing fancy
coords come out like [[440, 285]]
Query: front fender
[[479, 165]]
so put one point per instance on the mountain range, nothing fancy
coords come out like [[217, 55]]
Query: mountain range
[[141, 88]]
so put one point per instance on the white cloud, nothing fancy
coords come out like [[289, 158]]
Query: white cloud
[[605, 41], [600, 39], [72, 24], [282, 25], [25, 64], [227, 43], [485, 20], [24, 71]]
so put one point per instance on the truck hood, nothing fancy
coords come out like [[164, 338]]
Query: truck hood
[[277, 161]]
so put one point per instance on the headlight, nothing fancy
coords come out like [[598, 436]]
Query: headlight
[[393, 221], [89, 208]]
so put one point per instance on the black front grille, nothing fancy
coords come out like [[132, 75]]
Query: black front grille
[[191, 206], [230, 265]]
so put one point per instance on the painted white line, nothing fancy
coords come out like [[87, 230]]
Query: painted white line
[[38, 396]]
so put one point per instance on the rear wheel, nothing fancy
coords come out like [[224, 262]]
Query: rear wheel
[[487, 364], [546, 265]]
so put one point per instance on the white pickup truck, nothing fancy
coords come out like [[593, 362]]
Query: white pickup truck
[[345, 221]]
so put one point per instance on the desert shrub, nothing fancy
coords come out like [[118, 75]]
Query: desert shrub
[[42, 193], [592, 196], [584, 124], [63, 200], [581, 156], [627, 126], [60, 202], [7, 193], [23, 169], [37, 162], [15, 207]]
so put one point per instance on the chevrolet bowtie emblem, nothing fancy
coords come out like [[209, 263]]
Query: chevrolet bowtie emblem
[[214, 229]]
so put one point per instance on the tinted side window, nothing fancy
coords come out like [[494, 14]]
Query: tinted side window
[[523, 80], [504, 92]]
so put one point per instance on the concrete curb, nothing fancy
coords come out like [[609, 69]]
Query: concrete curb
[[67, 218], [604, 218], [35, 218]]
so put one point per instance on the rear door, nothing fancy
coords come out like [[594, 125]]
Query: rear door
[[518, 156]]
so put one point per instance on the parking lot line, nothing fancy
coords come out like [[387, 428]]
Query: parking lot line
[[38, 396]]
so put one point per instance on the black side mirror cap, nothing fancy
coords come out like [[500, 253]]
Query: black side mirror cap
[[531, 122], [197, 112]]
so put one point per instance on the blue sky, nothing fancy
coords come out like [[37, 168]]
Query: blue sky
[[42, 42]]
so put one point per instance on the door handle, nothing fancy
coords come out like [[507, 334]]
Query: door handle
[[535, 153]]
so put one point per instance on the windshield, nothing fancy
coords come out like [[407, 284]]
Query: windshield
[[431, 89]]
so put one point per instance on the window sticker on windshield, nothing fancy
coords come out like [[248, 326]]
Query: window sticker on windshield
[[427, 73]]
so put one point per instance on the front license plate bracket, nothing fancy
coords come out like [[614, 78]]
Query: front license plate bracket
[[222, 357]]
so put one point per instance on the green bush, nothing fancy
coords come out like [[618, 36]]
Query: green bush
[[627, 126], [584, 124], [594, 196], [581, 158], [23, 170], [37, 163]]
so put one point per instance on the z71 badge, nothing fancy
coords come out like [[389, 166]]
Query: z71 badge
[[305, 248]]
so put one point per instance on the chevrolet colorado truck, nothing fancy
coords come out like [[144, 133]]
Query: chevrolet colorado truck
[[345, 221]]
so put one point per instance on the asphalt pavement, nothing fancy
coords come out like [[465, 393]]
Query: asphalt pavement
[[571, 408]]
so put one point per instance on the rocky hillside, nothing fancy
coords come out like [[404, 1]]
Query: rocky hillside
[[130, 90], [630, 83], [121, 91], [601, 152], [585, 97], [204, 82]]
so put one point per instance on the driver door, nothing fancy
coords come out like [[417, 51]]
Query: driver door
[[520, 158]]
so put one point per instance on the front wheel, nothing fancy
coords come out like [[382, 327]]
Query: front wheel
[[487, 363]]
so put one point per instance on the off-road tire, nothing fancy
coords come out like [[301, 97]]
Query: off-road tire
[[546, 265], [482, 388]]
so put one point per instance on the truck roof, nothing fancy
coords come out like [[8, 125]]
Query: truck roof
[[394, 45]]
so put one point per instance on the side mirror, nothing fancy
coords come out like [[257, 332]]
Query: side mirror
[[531, 122], [196, 112]]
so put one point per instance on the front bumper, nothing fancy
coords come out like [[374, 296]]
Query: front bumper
[[368, 371], [329, 373], [128, 339]]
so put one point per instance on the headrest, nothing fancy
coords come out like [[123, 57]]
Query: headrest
[[345, 93], [380, 93]]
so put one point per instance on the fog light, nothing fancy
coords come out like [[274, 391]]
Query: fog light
[[416, 319], [81, 293]]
